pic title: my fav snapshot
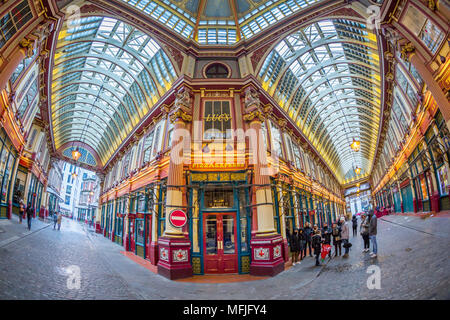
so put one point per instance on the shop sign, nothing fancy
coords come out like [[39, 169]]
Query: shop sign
[[178, 218], [218, 117], [215, 165]]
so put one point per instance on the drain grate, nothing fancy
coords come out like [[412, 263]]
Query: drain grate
[[408, 249]]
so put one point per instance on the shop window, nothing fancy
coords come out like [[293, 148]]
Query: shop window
[[140, 231], [443, 180], [7, 160], [217, 120], [243, 212], [218, 198], [141, 203]]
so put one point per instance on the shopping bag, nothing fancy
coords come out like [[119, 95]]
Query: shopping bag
[[325, 250]]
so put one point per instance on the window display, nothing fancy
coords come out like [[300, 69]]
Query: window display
[[443, 180]]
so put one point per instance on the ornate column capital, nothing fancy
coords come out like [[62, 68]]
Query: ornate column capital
[[28, 45], [252, 106], [182, 108], [406, 50]]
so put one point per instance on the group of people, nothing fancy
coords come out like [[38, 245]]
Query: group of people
[[57, 216], [314, 238]]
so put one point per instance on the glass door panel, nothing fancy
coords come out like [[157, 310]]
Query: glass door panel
[[229, 244], [211, 234]]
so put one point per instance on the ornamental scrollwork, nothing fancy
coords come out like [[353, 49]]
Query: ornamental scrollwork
[[407, 48], [180, 114], [254, 115]]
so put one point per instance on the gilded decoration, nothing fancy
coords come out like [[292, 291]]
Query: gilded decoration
[[182, 106], [28, 45], [406, 49], [255, 115]]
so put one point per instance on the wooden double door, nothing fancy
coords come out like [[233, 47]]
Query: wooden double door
[[220, 242]]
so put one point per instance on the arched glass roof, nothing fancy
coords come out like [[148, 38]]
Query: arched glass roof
[[219, 21], [327, 78], [107, 75]]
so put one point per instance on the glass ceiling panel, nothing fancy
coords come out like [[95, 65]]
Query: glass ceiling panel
[[326, 76], [216, 23], [107, 76]]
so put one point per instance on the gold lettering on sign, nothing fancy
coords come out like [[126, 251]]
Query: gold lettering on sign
[[216, 117]]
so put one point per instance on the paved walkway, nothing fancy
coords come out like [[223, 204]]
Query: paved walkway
[[12, 230], [413, 262]]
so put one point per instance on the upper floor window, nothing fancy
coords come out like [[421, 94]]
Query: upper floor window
[[277, 143], [148, 143], [169, 132], [22, 67], [126, 164], [298, 157], [217, 120], [29, 98], [12, 21]]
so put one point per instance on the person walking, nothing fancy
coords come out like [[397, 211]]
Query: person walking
[[336, 233], [373, 234], [295, 247], [326, 236], [55, 219], [364, 230], [29, 215], [302, 243], [355, 225], [21, 210], [308, 236], [345, 235], [316, 242], [59, 219]]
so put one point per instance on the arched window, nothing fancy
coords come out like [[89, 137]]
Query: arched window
[[217, 70]]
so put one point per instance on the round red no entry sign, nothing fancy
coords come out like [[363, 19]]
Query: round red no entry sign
[[178, 218]]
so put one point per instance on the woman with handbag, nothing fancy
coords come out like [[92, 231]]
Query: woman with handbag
[[336, 233]]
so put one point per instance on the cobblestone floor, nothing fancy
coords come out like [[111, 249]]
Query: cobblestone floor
[[413, 259]]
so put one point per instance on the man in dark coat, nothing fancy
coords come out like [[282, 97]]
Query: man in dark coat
[[316, 242], [355, 225], [373, 233], [308, 235], [29, 215], [295, 247]]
